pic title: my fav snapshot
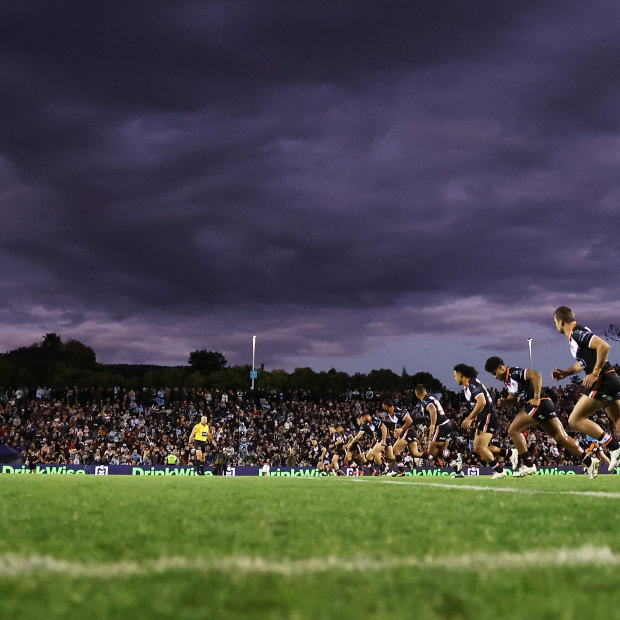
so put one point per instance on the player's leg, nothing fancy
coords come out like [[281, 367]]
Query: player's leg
[[200, 462], [522, 422], [390, 459], [613, 411], [336, 464], [398, 446], [580, 416], [481, 448], [374, 456], [579, 419], [553, 427], [414, 450], [444, 449], [377, 453], [439, 449]]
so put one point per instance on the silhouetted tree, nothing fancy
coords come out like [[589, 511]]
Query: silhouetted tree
[[52, 341], [79, 354], [207, 361]]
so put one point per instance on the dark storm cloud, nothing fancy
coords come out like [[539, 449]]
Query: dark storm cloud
[[333, 175]]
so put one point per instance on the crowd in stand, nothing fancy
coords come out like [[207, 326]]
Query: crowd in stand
[[126, 427]]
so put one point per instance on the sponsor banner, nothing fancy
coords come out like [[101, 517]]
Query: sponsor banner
[[173, 470]]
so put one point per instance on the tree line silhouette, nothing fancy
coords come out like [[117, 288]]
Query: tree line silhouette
[[54, 363]]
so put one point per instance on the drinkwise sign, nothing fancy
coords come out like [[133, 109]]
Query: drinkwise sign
[[169, 470]]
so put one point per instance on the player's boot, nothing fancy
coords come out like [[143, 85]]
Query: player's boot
[[593, 468], [524, 470], [614, 460]]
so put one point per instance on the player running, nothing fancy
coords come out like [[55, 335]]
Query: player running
[[440, 427], [368, 429], [482, 416], [601, 380], [403, 433], [525, 389]]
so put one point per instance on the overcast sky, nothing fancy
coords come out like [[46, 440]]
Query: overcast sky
[[360, 184]]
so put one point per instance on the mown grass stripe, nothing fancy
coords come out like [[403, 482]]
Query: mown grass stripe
[[458, 486], [12, 565]]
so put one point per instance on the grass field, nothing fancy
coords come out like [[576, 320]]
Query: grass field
[[127, 547]]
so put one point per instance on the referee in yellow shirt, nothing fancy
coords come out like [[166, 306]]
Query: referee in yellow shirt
[[200, 435]]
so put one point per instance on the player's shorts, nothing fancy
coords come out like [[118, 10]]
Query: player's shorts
[[607, 388], [378, 441], [409, 435], [356, 448], [200, 445], [544, 411], [443, 431], [487, 422]]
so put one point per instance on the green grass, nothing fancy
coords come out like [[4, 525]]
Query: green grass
[[109, 531]]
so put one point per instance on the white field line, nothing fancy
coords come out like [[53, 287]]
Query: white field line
[[456, 486], [16, 566]]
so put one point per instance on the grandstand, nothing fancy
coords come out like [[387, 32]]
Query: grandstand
[[118, 427]]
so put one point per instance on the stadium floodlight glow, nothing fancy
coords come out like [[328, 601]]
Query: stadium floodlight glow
[[529, 342]]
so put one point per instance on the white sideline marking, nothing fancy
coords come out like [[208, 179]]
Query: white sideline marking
[[472, 487], [17, 566]]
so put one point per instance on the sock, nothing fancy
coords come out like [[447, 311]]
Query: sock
[[586, 460], [609, 441], [496, 466], [527, 459]]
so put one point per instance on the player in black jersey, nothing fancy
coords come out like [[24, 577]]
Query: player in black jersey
[[525, 389], [601, 381], [377, 440], [482, 416], [336, 448], [353, 447], [401, 434], [440, 427], [374, 432]]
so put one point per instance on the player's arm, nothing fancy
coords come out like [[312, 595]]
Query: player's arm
[[470, 420], [193, 433], [383, 433], [355, 440], [432, 410], [407, 422], [536, 378], [415, 451], [559, 374], [508, 401], [602, 350]]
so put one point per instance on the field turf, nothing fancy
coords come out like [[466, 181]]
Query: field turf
[[186, 548]]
